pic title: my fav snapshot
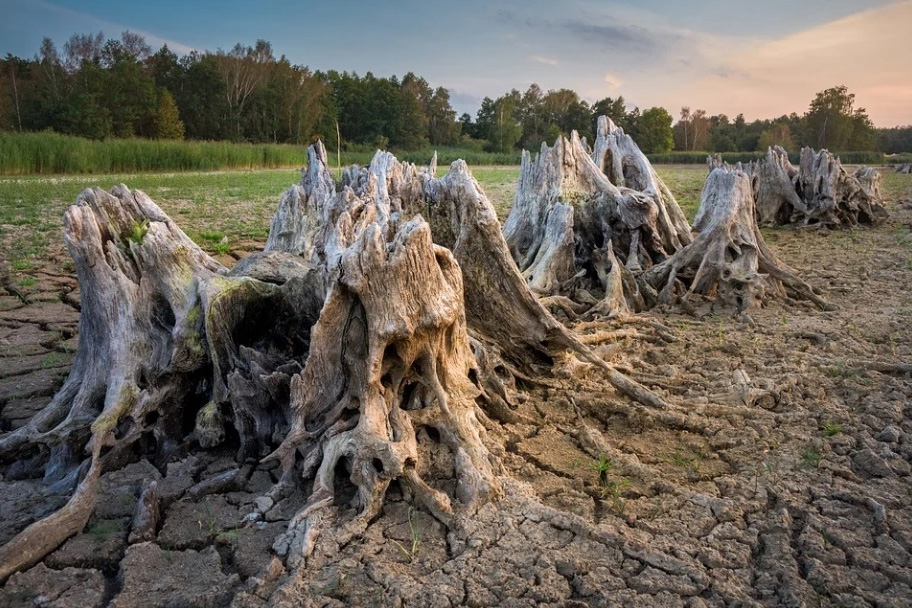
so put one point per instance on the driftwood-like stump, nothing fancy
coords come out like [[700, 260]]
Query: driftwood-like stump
[[728, 259], [819, 192], [581, 224], [361, 341]]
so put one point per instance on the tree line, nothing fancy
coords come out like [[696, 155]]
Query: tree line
[[100, 89]]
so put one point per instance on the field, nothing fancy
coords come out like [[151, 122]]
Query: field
[[787, 483]]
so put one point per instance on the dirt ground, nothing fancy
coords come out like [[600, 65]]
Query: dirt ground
[[783, 479]]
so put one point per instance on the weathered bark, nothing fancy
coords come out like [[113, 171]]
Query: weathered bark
[[159, 320], [344, 345], [819, 192], [728, 259], [904, 168], [575, 216]]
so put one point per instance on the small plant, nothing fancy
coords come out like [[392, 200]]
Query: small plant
[[784, 320], [831, 429], [412, 551], [810, 457], [721, 332], [222, 247], [228, 537], [211, 236], [138, 231], [602, 466], [27, 281], [612, 491], [679, 459], [22, 264], [210, 520], [51, 360], [103, 529]]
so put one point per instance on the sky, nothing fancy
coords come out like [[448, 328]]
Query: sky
[[762, 59]]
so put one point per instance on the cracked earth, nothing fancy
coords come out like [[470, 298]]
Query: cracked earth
[[785, 479]]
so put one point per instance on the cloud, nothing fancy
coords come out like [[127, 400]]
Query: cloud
[[613, 81], [544, 60], [464, 102], [620, 37], [85, 21], [866, 51]]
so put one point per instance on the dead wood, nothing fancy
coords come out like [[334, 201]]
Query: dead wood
[[728, 259], [360, 342], [581, 226], [819, 192]]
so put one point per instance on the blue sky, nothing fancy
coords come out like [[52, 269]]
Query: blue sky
[[760, 58]]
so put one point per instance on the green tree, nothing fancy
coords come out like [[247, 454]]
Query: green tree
[[505, 130], [167, 123], [484, 119], [202, 99], [532, 117], [777, 135], [565, 109], [721, 136], [654, 134], [833, 123], [615, 109], [443, 128]]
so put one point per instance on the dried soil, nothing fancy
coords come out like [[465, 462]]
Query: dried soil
[[783, 479]]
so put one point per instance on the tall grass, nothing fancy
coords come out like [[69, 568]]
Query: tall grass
[[53, 153], [47, 152]]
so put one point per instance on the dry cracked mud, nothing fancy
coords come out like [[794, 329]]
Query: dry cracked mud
[[785, 479]]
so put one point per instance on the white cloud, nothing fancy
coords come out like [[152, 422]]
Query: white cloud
[[544, 60], [613, 81], [80, 21], [867, 52]]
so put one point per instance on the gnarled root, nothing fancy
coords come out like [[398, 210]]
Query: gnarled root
[[346, 344], [390, 354], [159, 319], [581, 226], [728, 259], [819, 192]]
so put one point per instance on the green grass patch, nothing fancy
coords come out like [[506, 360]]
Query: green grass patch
[[49, 153]]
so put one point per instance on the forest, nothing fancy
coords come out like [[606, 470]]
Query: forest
[[102, 88]]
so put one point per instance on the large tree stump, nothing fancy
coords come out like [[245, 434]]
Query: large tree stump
[[728, 259], [819, 192], [575, 217], [362, 340]]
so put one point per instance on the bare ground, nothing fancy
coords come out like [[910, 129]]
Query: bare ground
[[783, 479]]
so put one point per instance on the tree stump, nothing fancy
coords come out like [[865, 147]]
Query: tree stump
[[360, 342], [728, 259], [580, 225], [819, 192]]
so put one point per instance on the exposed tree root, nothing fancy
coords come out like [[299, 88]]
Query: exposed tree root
[[580, 226], [819, 192], [728, 259], [344, 347]]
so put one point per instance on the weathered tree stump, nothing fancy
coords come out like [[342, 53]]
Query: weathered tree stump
[[819, 192], [904, 168], [728, 259], [362, 340], [581, 225]]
